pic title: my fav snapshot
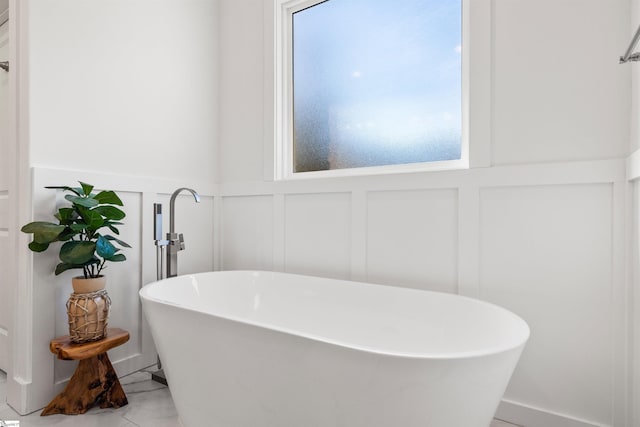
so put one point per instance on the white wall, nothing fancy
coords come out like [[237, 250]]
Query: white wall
[[558, 91], [124, 87], [540, 232], [557, 94], [121, 94]]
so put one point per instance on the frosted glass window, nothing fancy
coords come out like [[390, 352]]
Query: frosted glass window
[[376, 82]]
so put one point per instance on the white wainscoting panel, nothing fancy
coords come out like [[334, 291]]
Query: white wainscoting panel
[[543, 240], [4, 210], [412, 239], [546, 254], [124, 280], [247, 233], [318, 234], [4, 286], [634, 278]]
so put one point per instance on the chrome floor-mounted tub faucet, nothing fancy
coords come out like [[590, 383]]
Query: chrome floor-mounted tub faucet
[[173, 242]]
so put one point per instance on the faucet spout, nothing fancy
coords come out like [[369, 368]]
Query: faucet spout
[[172, 206], [175, 241]]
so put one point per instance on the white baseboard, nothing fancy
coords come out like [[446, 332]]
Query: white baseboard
[[529, 416]]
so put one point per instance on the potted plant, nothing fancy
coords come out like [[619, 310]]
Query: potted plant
[[83, 228]]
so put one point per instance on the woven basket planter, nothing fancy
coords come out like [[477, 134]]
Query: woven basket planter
[[88, 312]]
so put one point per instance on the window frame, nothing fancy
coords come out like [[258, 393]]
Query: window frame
[[283, 105]]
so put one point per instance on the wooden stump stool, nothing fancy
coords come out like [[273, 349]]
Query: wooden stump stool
[[94, 381]]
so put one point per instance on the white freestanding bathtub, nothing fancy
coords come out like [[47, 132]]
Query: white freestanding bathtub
[[264, 349]]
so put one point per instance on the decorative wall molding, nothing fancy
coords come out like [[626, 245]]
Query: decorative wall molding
[[633, 286], [633, 166], [466, 183], [5, 258], [531, 416], [130, 183], [41, 288], [583, 172], [632, 295], [602, 182]]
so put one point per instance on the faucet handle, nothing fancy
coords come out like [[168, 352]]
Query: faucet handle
[[181, 241]]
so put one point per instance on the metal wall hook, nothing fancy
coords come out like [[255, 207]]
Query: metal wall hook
[[4, 65]]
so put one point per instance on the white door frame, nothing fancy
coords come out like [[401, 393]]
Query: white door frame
[[4, 196], [19, 376]]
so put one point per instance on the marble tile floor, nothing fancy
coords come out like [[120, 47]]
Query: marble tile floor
[[150, 405]]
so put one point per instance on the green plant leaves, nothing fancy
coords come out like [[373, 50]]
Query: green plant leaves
[[104, 248], [92, 218], [118, 258], [110, 225], [86, 188], [43, 232], [108, 197], [77, 252], [78, 227], [82, 201], [67, 234], [66, 216], [84, 246], [64, 266], [73, 190], [110, 212], [120, 242], [38, 247], [107, 251]]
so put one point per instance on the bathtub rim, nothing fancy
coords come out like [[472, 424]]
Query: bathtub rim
[[484, 352]]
